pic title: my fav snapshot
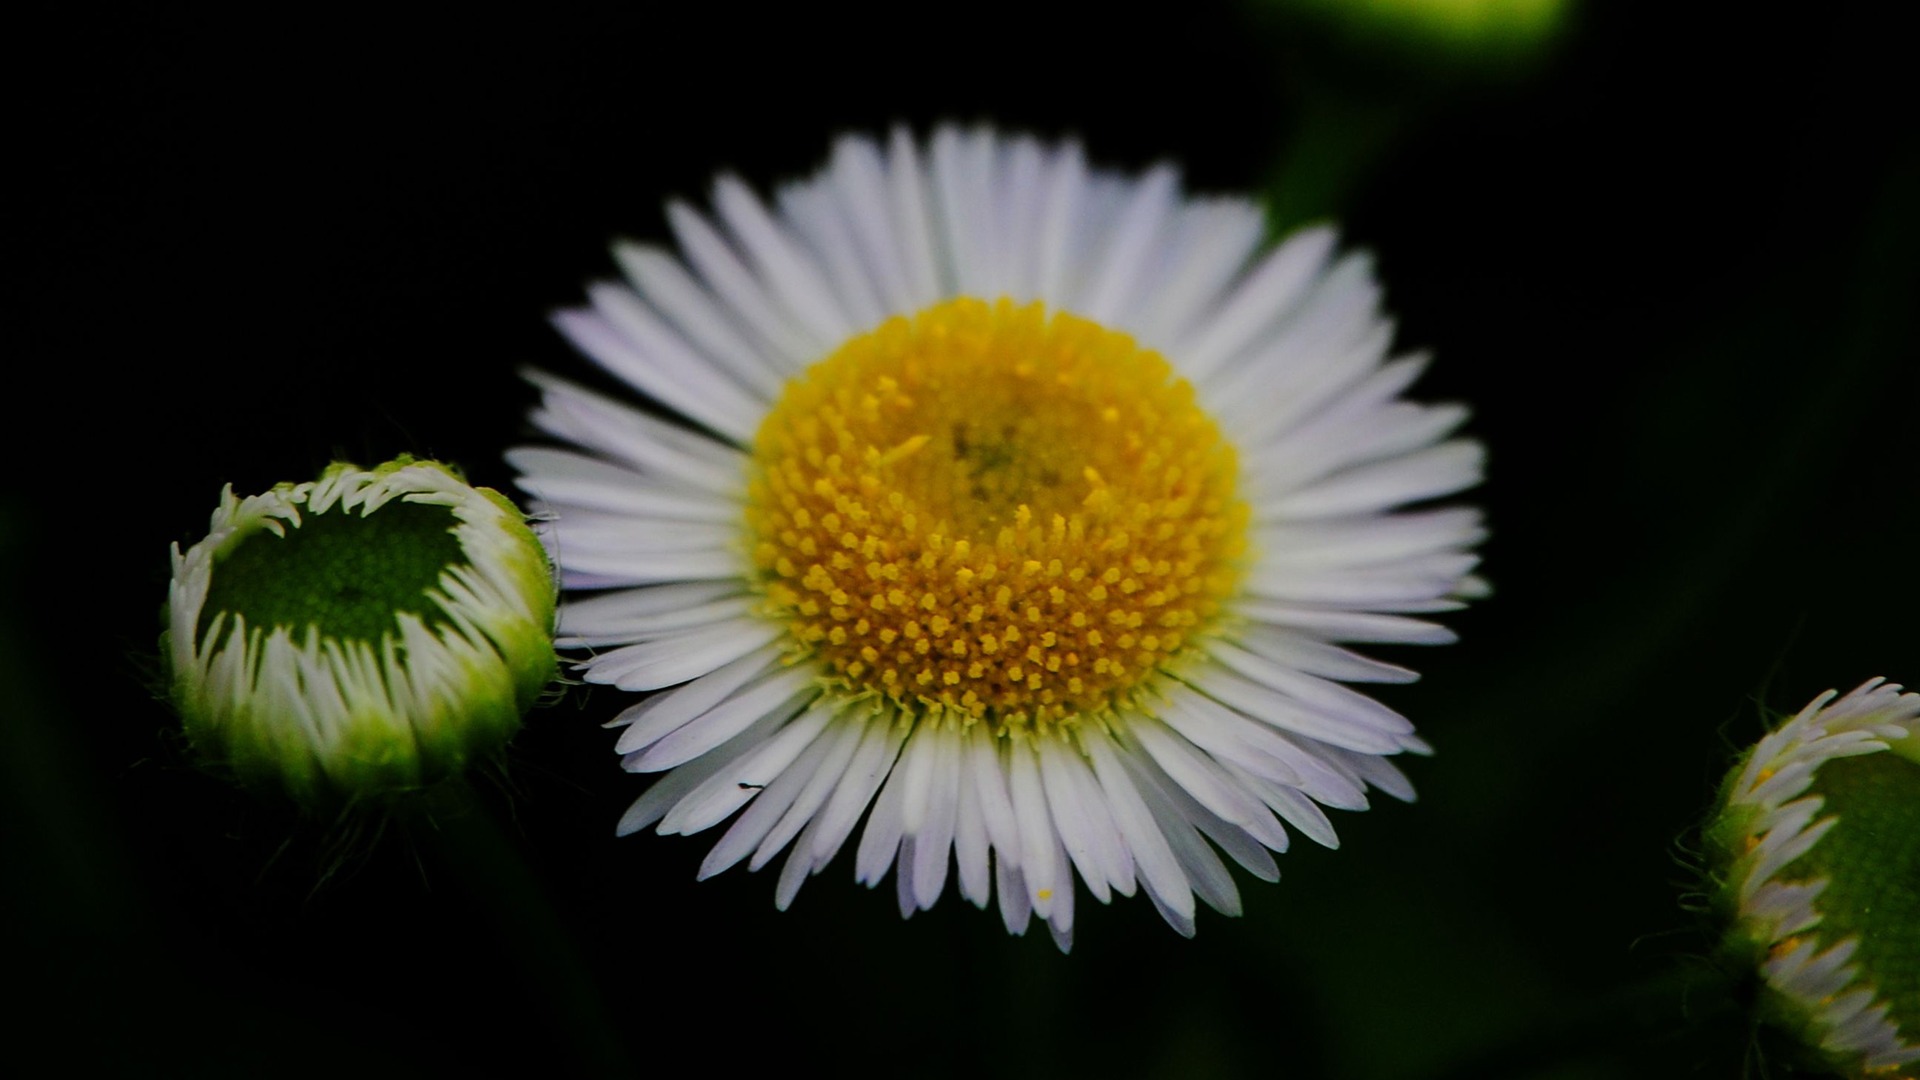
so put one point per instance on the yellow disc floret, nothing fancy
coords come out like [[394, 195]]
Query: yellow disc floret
[[993, 511]]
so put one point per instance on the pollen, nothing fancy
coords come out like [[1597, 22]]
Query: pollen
[[949, 509]]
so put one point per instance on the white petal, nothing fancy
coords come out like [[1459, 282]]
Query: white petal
[[1367, 541], [1377, 771], [1085, 830], [966, 210], [860, 190], [871, 764], [914, 774], [1254, 699], [886, 825], [595, 533], [840, 747], [1153, 856], [785, 343], [587, 569], [1426, 474], [798, 867], [1333, 443], [784, 692], [1328, 698], [903, 878], [1060, 918], [665, 453], [646, 722], [1219, 237], [1018, 201], [633, 614], [1339, 310], [1774, 856], [1298, 810], [1129, 248], [1034, 821], [676, 785], [970, 845], [651, 665], [668, 373], [816, 215], [731, 788], [699, 316], [1315, 657], [1335, 625], [569, 480], [1203, 869], [1207, 781], [795, 281], [784, 795], [1233, 736], [907, 185], [1011, 889], [1264, 295], [1403, 585], [989, 778], [933, 837], [1062, 207]]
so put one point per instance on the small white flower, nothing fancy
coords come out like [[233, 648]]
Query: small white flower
[[1016, 505], [358, 635], [1823, 901]]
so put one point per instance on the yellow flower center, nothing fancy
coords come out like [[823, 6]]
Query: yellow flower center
[[991, 511]]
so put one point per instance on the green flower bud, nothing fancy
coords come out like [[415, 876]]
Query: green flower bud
[[360, 635], [1467, 30], [1815, 844]]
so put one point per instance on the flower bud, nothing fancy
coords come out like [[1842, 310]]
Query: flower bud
[[1815, 847], [1461, 31], [359, 635]]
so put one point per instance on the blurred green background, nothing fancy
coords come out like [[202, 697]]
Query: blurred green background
[[1669, 257]]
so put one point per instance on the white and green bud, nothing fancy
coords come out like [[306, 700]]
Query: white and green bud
[[1462, 29], [360, 635], [1814, 846]]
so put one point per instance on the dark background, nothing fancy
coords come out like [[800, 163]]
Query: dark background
[[1671, 264]]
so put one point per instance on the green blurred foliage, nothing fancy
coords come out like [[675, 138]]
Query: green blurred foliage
[[1437, 34]]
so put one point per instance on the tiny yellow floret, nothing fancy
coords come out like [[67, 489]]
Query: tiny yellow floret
[[975, 455]]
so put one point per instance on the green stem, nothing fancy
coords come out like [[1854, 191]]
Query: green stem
[[1337, 141], [458, 837]]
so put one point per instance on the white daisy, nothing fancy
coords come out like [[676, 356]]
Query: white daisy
[[1015, 504], [1783, 850]]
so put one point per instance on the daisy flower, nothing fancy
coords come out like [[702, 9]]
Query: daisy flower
[[1016, 505], [1816, 839], [359, 635]]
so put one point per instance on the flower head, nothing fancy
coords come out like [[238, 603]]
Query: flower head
[[1815, 842], [361, 634], [1016, 505]]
